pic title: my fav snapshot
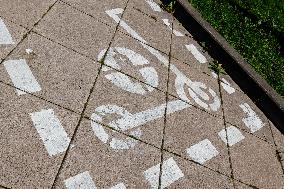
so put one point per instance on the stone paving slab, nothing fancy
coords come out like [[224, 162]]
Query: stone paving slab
[[141, 116], [25, 162], [52, 65], [11, 36], [105, 166], [75, 30], [149, 113], [25, 14]]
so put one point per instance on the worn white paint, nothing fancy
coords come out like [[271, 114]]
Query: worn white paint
[[21, 76], [154, 6], [227, 86], [195, 89], [80, 181], [50, 130], [197, 55], [252, 121], [202, 151], [124, 82], [5, 36], [29, 51], [119, 186], [170, 174], [129, 121], [169, 25], [234, 135]]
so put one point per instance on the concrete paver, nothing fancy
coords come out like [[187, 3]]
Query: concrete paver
[[25, 14], [97, 8], [75, 30], [243, 113], [12, 35], [255, 162], [107, 167], [196, 176], [147, 115], [193, 134], [25, 162], [51, 65], [139, 115], [155, 34]]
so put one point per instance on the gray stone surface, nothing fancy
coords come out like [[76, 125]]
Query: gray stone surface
[[65, 77], [24, 161], [16, 32], [25, 14], [107, 166], [75, 30]]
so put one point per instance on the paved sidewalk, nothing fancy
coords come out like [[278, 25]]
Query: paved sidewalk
[[117, 94]]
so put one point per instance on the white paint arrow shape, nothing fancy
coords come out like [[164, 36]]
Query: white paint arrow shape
[[5, 36]]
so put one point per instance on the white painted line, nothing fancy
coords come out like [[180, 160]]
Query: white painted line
[[252, 121], [227, 86], [80, 181], [170, 173], [51, 132], [176, 33], [21, 76], [234, 135], [202, 151], [119, 186], [5, 36], [195, 52], [154, 6]]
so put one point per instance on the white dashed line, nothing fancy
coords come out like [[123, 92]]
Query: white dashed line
[[252, 121], [21, 76], [80, 181], [202, 151], [5, 36], [195, 52], [234, 135], [170, 173], [51, 132]]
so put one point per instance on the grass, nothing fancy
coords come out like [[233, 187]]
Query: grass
[[254, 29]]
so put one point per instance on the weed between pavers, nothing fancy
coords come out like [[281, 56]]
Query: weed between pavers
[[169, 5], [217, 68]]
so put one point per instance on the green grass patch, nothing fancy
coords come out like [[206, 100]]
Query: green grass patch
[[259, 46]]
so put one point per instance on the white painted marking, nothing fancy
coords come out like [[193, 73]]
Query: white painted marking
[[170, 173], [252, 121], [51, 132], [195, 52], [202, 151], [195, 88], [21, 76], [80, 181], [124, 82], [119, 186], [129, 121], [234, 135], [5, 36], [227, 86], [169, 25], [29, 51], [154, 6]]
